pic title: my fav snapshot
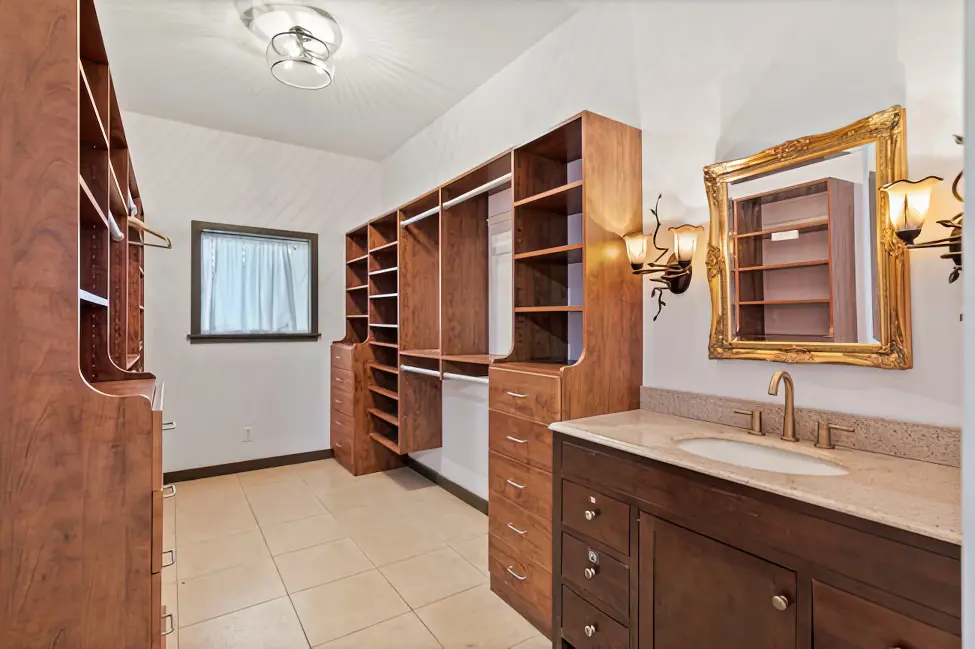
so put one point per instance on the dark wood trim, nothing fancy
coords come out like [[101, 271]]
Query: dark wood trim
[[197, 229], [450, 487], [196, 339], [246, 465]]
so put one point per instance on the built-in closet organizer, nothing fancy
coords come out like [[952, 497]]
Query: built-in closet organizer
[[82, 554]]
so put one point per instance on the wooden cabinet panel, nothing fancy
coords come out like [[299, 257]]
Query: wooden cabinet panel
[[528, 534], [598, 575], [845, 621], [697, 592], [155, 612], [586, 627], [157, 434], [528, 488], [521, 439], [530, 581], [597, 516], [534, 396], [155, 556]]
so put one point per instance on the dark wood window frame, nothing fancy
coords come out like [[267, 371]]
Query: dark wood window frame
[[198, 227]]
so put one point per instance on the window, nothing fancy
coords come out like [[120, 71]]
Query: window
[[252, 284]]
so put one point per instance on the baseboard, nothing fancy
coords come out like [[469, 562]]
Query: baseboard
[[450, 487], [246, 465]]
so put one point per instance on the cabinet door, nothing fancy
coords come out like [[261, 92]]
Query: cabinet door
[[697, 592]]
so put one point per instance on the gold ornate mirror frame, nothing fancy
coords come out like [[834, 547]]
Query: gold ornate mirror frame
[[886, 130]]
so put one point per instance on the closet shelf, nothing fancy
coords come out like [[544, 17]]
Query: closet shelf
[[131, 360], [794, 264], [387, 246], [547, 309], [383, 296], [91, 125], [385, 416], [421, 353], [824, 300], [389, 394], [91, 213], [357, 288], [475, 359], [378, 343], [808, 226], [571, 254], [91, 298], [382, 368], [391, 269], [385, 441], [384, 326], [566, 199], [502, 182], [551, 368], [358, 259], [354, 315]]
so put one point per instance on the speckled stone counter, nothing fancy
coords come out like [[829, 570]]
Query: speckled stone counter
[[919, 497]]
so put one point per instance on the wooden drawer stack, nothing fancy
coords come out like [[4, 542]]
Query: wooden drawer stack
[[344, 394], [522, 405]]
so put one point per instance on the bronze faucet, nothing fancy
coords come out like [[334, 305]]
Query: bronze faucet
[[789, 419]]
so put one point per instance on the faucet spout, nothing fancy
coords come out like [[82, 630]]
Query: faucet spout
[[789, 415]]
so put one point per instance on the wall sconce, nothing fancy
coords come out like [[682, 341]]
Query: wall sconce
[[908, 205], [675, 274]]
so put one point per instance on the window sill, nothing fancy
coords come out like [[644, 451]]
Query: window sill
[[251, 338]]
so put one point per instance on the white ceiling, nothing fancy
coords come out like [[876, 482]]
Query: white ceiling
[[403, 63]]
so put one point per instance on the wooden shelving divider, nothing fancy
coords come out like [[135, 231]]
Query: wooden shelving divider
[[76, 320]]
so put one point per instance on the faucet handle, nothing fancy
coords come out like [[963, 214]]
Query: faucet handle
[[824, 433], [756, 425]]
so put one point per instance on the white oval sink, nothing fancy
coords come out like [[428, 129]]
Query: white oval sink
[[753, 456]]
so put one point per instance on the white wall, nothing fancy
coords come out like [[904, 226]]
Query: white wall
[[709, 81], [967, 446], [214, 390]]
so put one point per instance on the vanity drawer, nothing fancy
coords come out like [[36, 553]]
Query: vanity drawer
[[521, 439], [528, 488], [525, 578], [597, 516], [597, 574], [535, 396], [845, 621], [586, 627], [526, 533], [341, 357]]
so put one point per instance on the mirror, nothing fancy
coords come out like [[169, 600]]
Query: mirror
[[801, 264]]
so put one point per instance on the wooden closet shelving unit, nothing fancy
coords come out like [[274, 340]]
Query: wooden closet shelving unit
[[82, 452], [576, 318]]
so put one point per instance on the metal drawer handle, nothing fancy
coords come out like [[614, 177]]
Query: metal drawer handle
[[515, 484], [515, 574], [591, 514], [337, 445], [517, 395], [168, 626], [171, 488], [337, 401], [338, 380], [516, 440], [589, 573], [516, 530], [169, 425], [590, 630], [172, 555]]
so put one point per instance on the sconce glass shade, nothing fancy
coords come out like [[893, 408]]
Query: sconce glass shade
[[908, 205], [685, 242], [299, 59], [636, 248]]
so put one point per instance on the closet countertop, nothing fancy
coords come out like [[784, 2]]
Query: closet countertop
[[906, 494]]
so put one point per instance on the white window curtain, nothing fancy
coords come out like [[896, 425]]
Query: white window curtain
[[254, 284]]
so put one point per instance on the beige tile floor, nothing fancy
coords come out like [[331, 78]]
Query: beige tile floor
[[308, 556]]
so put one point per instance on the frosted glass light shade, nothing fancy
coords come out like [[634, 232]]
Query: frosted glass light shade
[[685, 242], [636, 248], [909, 204]]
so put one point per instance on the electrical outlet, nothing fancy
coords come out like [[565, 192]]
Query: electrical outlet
[[247, 434]]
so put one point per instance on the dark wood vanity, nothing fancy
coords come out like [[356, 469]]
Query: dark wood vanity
[[652, 556]]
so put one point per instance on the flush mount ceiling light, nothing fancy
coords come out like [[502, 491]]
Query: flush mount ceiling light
[[301, 41]]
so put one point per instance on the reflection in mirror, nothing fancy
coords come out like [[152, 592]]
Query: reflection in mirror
[[803, 251]]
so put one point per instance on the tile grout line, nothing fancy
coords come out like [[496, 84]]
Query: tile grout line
[[410, 606]]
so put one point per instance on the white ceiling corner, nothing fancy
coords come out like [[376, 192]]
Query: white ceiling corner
[[402, 65]]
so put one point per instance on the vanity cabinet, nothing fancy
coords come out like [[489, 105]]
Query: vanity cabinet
[[652, 556]]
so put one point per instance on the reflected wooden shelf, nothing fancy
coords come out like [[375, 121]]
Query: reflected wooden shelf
[[389, 394], [385, 416], [823, 300], [548, 309], [794, 264], [808, 226]]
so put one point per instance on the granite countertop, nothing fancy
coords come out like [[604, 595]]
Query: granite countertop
[[910, 495]]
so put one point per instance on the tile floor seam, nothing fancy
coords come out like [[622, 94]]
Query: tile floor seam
[[476, 567], [413, 610]]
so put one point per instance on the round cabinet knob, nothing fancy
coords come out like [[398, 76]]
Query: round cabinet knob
[[589, 573], [591, 514], [590, 630], [780, 602]]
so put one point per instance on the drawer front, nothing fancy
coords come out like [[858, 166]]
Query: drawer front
[[520, 439], [528, 488], [597, 516], [597, 574], [535, 396], [342, 402], [155, 557], [342, 380], [522, 576], [586, 627], [342, 357], [845, 621], [526, 533], [341, 433]]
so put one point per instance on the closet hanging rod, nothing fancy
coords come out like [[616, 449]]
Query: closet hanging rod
[[420, 216], [420, 370], [113, 229], [497, 182], [140, 225], [465, 377]]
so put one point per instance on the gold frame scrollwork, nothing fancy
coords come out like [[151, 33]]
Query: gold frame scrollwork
[[887, 130]]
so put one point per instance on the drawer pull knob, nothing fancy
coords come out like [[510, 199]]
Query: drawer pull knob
[[168, 490], [516, 530], [516, 440], [517, 395], [172, 558], [515, 574], [780, 602], [515, 484], [589, 573], [590, 630], [168, 626], [591, 514]]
